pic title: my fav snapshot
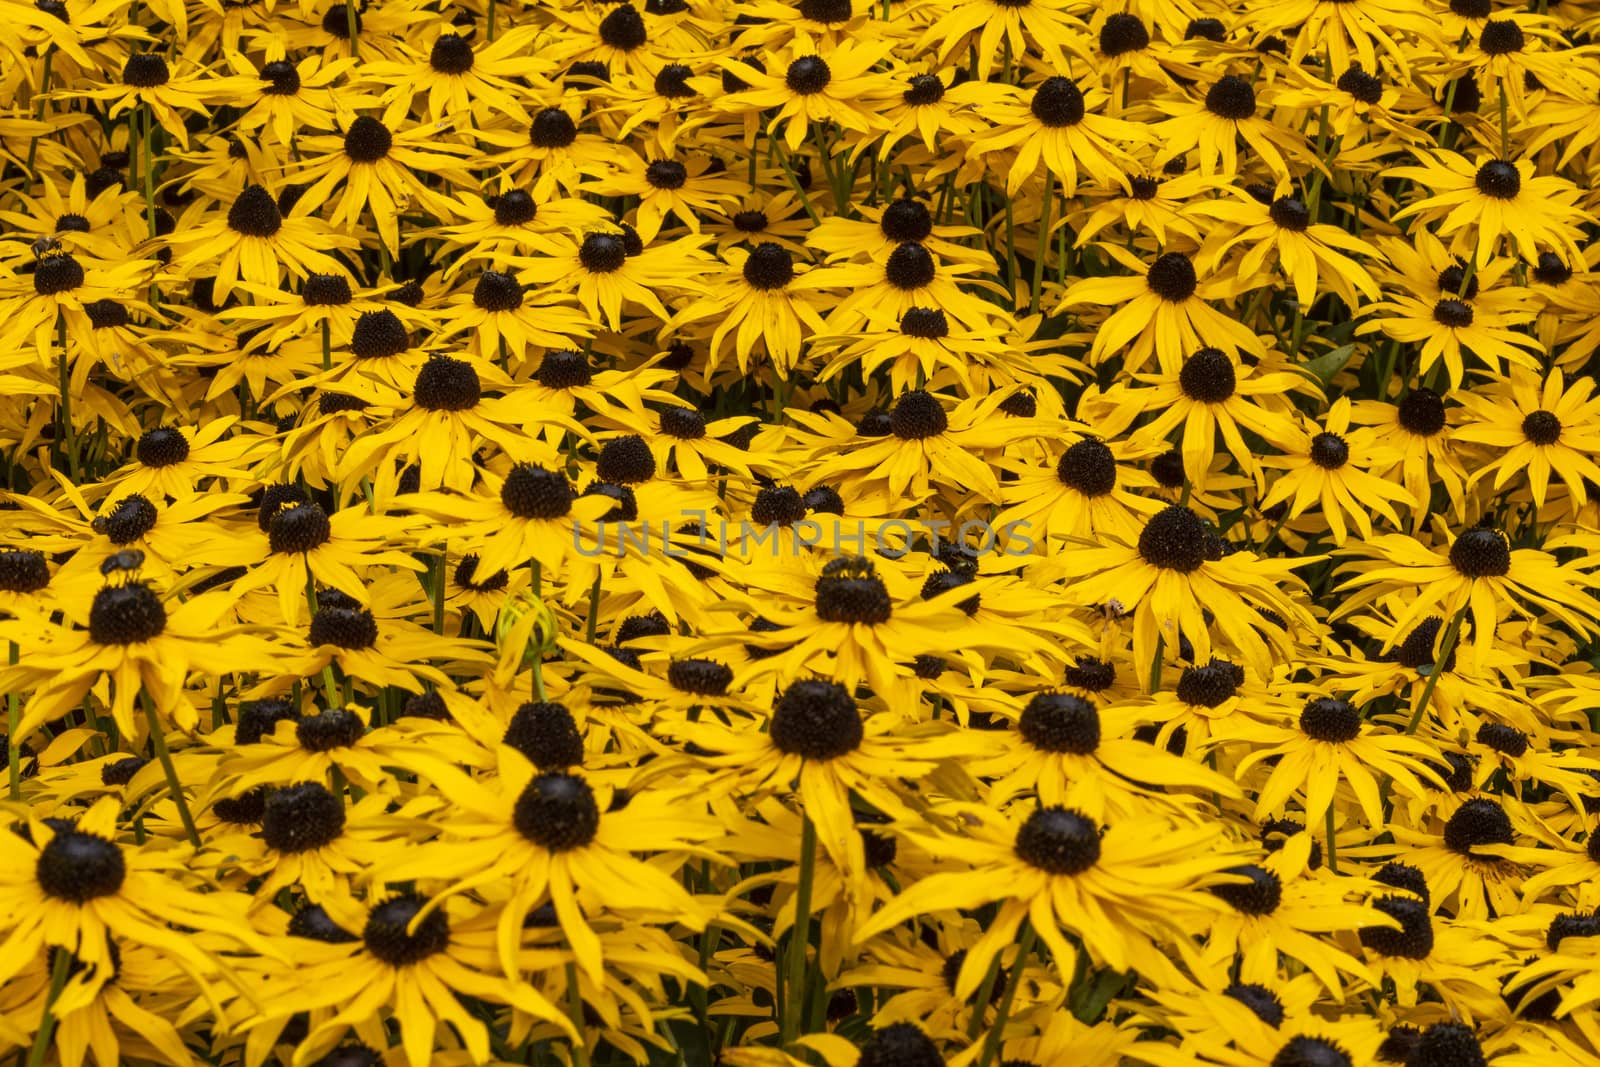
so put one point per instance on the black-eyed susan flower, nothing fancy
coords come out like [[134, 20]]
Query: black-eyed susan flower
[[1546, 430], [379, 645], [149, 81], [308, 839], [502, 319], [764, 302], [1316, 256], [1211, 395], [1470, 859], [1476, 205], [132, 640], [840, 618], [99, 228], [62, 287], [1480, 569], [1416, 425], [1212, 125], [1174, 567], [925, 447], [1210, 702], [818, 738], [1060, 871], [1332, 747], [293, 96], [332, 745], [605, 272], [531, 513], [299, 546], [1060, 128], [925, 349], [178, 461], [416, 963], [255, 241], [1425, 952], [1087, 494], [511, 222], [670, 191], [1451, 323], [457, 74], [1161, 310], [985, 26], [1078, 755], [548, 151], [1154, 203], [549, 834], [909, 276], [376, 166], [75, 886], [808, 86], [1333, 468], [440, 430]]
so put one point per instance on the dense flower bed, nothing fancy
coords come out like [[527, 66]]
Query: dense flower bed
[[995, 532]]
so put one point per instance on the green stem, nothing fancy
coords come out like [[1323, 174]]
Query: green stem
[[699, 995], [327, 346], [1044, 241], [329, 683], [991, 1046], [1448, 135], [13, 720], [788, 172], [799, 936], [158, 741], [38, 113], [65, 431], [1445, 649], [580, 1050], [538, 659], [1333, 847], [149, 166], [47, 1023], [780, 396], [1062, 251], [1011, 250], [1272, 534], [1466, 274], [946, 210], [1505, 129], [980, 1002], [594, 605], [439, 580], [350, 28]]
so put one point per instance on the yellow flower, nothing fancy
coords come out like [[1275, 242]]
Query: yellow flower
[[1333, 468], [541, 836], [1545, 429], [809, 86], [1500, 198], [71, 886]]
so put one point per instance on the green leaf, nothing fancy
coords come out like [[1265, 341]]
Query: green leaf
[[1330, 363], [1088, 1001]]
